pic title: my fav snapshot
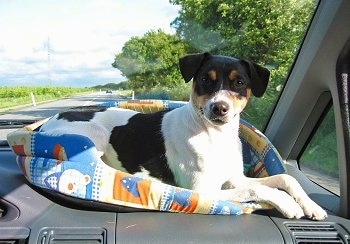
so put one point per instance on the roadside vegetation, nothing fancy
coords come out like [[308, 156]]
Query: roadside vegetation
[[269, 35], [323, 148], [21, 95]]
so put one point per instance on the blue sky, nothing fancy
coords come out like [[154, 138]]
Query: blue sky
[[72, 42]]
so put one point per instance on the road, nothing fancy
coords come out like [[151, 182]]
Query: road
[[51, 108], [48, 109], [326, 181]]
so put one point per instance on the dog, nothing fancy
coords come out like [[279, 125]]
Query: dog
[[196, 146]]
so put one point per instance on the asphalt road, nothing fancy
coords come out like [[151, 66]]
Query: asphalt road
[[49, 109]]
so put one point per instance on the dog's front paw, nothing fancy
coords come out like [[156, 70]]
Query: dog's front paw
[[288, 206], [313, 210]]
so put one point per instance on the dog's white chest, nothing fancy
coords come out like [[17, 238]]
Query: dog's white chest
[[200, 159], [219, 158]]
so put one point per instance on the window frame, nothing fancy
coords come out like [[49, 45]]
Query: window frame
[[313, 74], [312, 129]]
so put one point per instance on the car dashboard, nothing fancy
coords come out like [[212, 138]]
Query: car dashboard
[[31, 215]]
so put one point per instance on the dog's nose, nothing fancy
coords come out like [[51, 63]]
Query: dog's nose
[[220, 108]]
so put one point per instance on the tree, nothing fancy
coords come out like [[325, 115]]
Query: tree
[[259, 30], [266, 32], [151, 60]]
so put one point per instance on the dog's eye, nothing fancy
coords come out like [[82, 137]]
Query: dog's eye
[[239, 83], [204, 79]]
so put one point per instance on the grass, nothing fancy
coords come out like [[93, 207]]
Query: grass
[[179, 93], [21, 95]]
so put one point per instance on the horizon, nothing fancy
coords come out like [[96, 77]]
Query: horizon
[[73, 43]]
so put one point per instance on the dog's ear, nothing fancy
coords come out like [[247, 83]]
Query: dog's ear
[[190, 64], [259, 77]]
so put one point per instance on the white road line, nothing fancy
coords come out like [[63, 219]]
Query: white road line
[[88, 102]]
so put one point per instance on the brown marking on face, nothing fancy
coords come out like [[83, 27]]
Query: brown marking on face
[[239, 102], [199, 101], [212, 74], [249, 92], [233, 75], [236, 101]]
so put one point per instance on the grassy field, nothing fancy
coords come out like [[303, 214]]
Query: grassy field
[[20, 95]]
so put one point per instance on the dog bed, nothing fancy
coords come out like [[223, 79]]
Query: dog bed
[[70, 165]]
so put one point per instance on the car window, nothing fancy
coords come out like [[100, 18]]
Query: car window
[[84, 47], [319, 161], [77, 53]]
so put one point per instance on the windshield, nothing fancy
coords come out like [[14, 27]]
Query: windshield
[[61, 54]]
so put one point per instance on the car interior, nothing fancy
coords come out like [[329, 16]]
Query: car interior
[[317, 86]]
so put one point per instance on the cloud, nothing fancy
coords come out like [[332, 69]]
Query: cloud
[[72, 42]]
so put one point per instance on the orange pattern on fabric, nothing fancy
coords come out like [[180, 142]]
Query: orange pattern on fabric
[[131, 189], [189, 207]]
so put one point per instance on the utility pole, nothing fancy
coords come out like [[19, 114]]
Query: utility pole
[[49, 61]]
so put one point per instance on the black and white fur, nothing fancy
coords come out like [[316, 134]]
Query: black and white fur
[[195, 146]]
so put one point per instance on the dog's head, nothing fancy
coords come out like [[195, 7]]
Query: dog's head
[[222, 85]]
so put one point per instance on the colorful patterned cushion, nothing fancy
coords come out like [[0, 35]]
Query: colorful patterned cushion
[[69, 164]]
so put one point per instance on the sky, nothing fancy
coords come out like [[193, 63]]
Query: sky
[[72, 42]]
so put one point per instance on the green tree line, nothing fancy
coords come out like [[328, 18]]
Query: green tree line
[[265, 32]]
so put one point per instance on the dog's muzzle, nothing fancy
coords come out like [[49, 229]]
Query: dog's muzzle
[[219, 109], [219, 112]]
